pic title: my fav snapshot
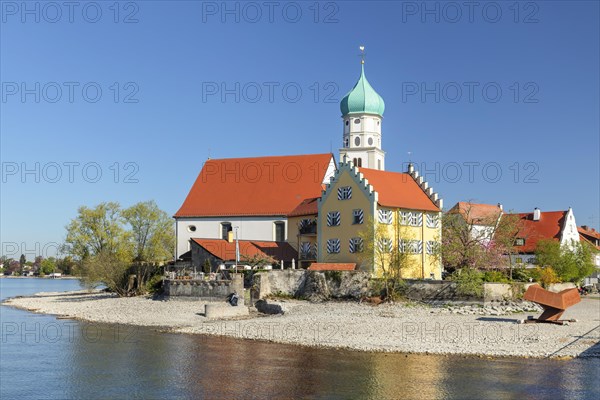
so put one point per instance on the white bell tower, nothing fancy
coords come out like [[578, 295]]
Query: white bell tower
[[362, 113]]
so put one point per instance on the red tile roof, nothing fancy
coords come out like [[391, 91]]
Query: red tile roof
[[549, 226], [589, 235], [225, 250], [306, 207], [255, 186], [332, 267], [398, 189], [477, 214]]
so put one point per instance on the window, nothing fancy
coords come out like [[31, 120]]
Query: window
[[431, 247], [432, 220], [307, 225], [356, 245], [333, 218], [370, 141], [192, 228], [411, 218], [225, 229], [333, 246], [358, 217], [385, 217], [357, 120], [519, 242], [416, 219], [359, 162], [357, 141], [347, 122], [410, 246], [405, 217], [279, 231], [385, 245], [345, 193], [346, 141], [308, 250]]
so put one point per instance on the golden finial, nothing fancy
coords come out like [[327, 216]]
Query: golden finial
[[362, 54]]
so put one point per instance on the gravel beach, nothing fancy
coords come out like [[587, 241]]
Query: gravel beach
[[401, 327]]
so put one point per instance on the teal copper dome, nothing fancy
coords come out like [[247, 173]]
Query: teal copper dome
[[362, 98]]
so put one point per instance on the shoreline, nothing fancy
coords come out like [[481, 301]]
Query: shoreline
[[388, 328]]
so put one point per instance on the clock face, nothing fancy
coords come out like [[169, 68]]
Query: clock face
[[357, 141], [370, 141]]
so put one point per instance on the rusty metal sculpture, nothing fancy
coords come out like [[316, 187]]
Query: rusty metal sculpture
[[554, 304]]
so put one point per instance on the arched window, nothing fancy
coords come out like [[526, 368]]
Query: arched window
[[354, 161], [360, 162]]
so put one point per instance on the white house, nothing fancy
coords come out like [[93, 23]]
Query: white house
[[538, 225]]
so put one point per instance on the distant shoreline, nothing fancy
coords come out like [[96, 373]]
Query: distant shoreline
[[38, 277], [388, 328]]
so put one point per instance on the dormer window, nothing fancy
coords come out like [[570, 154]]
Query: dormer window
[[519, 242]]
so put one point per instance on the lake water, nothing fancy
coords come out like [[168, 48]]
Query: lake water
[[42, 357]]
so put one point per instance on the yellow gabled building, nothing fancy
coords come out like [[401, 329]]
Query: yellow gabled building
[[363, 199], [402, 202]]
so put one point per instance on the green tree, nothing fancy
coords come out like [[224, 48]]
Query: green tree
[[98, 230], [121, 248], [152, 239], [22, 261], [571, 262], [47, 266], [152, 232], [380, 250]]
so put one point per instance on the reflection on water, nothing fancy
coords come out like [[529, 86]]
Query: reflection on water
[[109, 361]]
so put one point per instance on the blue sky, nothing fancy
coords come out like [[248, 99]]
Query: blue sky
[[495, 88]]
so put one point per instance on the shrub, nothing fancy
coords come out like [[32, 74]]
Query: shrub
[[524, 274], [469, 282], [155, 284], [495, 276], [546, 276]]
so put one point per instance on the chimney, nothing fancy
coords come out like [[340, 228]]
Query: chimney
[[500, 207], [537, 213], [587, 228]]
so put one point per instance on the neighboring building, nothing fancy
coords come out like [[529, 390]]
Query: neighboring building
[[302, 231], [219, 251], [538, 225], [357, 196], [591, 236], [253, 194], [481, 218]]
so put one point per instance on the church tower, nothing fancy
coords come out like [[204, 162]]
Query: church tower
[[362, 111]]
